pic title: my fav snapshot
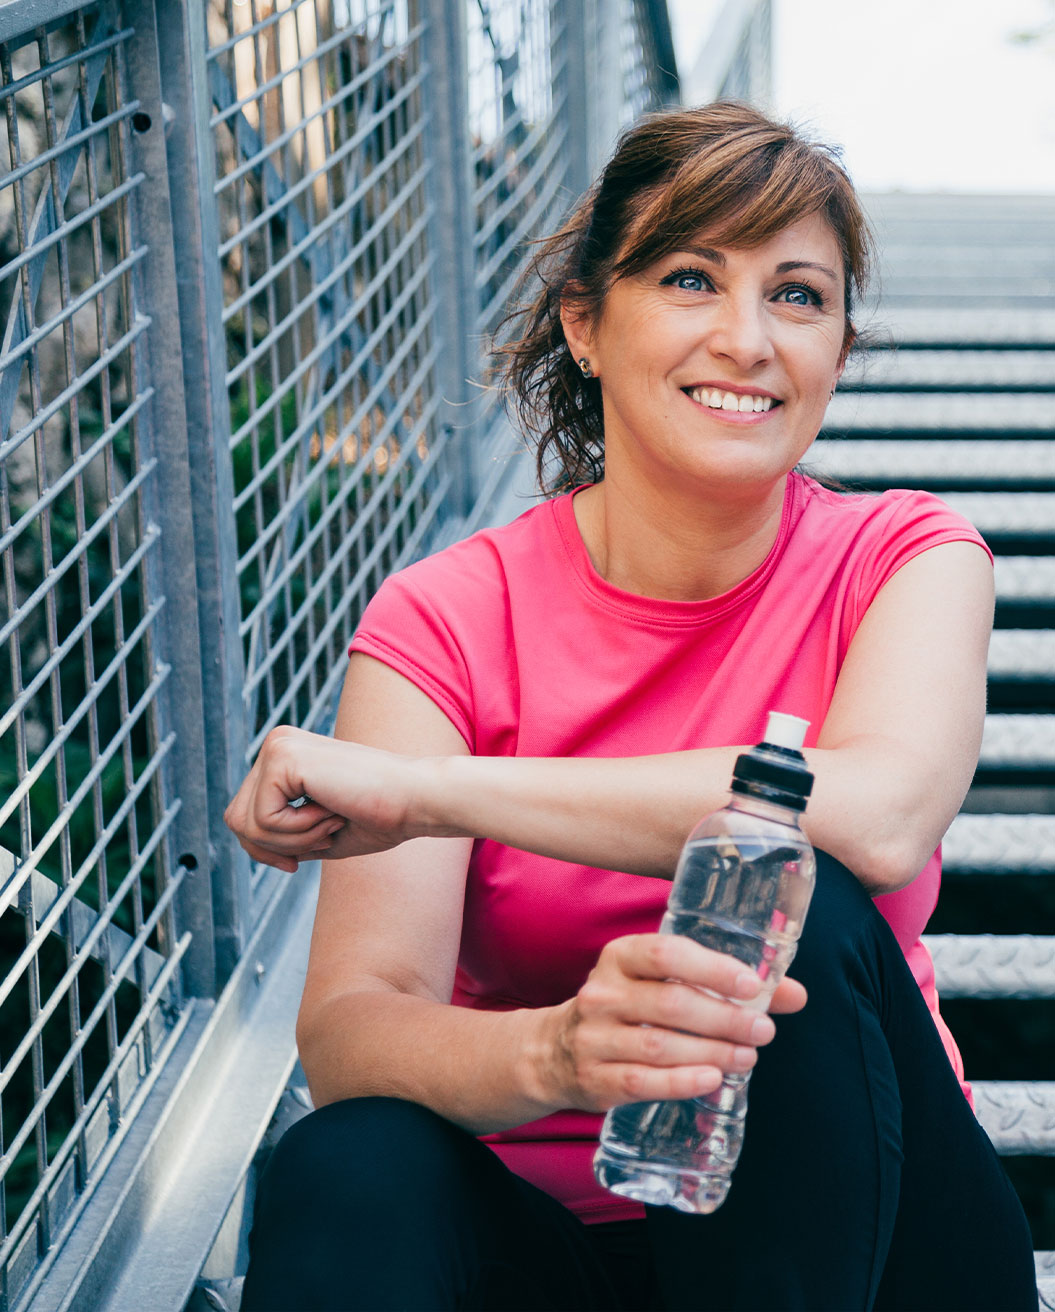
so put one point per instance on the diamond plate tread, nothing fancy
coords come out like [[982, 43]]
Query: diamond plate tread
[[1023, 514], [968, 260], [950, 370], [998, 326], [993, 965], [947, 412], [947, 463], [940, 287], [1025, 578], [1000, 845], [1016, 654], [1018, 742], [1018, 1116], [1046, 1279]]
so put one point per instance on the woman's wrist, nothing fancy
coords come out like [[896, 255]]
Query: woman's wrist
[[537, 1067], [438, 805]]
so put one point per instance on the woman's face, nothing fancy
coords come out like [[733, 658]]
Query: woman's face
[[717, 364]]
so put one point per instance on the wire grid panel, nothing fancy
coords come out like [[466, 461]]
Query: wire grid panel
[[518, 129], [87, 944], [638, 61], [339, 472]]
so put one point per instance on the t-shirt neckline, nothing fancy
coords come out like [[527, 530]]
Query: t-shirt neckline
[[662, 611]]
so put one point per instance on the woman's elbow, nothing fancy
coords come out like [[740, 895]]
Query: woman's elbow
[[883, 863]]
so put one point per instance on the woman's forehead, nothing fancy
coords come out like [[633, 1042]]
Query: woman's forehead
[[812, 238]]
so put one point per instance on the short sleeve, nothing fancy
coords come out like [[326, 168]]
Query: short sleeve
[[903, 525], [406, 631]]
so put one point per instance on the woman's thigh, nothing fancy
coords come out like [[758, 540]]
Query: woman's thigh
[[376, 1203], [857, 1138]]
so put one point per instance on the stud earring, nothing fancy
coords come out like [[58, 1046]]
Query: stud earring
[[584, 365], [831, 394]]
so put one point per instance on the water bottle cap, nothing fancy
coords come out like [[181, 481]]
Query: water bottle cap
[[785, 730], [776, 770]]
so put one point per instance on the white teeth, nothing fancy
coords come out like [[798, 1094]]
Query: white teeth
[[716, 399]]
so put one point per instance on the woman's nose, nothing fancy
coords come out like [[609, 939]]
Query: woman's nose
[[740, 332]]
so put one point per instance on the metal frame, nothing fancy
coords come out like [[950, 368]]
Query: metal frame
[[343, 294]]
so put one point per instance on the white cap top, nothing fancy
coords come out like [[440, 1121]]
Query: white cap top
[[786, 730]]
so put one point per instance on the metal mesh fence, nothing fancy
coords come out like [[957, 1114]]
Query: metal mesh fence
[[329, 304], [87, 942], [639, 61], [339, 472]]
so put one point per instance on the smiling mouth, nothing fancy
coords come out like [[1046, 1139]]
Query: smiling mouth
[[717, 399]]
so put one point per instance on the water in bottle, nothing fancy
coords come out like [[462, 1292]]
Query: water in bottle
[[742, 887]]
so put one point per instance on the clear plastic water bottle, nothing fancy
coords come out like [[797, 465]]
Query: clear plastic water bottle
[[742, 887]]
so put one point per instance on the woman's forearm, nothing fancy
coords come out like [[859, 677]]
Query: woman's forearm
[[634, 814], [475, 1068], [629, 814]]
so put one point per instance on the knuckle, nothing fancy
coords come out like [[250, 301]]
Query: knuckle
[[657, 953], [632, 1084], [670, 1004], [653, 1044]]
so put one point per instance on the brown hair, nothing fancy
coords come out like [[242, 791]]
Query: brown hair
[[725, 170]]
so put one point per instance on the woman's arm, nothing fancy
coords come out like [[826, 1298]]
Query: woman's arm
[[375, 1017], [894, 759]]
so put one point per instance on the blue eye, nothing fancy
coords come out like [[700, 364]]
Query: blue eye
[[800, 295], [687, 280]]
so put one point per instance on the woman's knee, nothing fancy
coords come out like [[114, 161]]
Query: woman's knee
[[842, 923], [351, 1153]]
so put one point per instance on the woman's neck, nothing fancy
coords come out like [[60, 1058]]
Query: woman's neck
[[680, 548]]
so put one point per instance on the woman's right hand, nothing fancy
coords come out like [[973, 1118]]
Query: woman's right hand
[[659, 1017], [308, 796]]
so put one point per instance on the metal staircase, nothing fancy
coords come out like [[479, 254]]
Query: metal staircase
[[956, 394]]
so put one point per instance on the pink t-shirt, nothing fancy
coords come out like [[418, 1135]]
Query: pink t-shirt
[[530, 652]]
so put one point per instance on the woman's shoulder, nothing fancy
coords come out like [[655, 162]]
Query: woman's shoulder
[[880, 516]]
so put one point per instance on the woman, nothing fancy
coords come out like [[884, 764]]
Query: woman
[[695, 317]]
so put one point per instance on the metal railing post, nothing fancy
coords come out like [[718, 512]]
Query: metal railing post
[[451, 236], [195, 233], [170, 501]]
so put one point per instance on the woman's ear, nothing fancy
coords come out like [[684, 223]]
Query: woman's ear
[[578, 333]]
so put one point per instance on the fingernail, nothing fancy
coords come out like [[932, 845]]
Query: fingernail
[[744, 1058], [747, 984], [762, 1029]]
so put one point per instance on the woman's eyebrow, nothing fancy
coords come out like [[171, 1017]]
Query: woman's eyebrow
[[705, 253], [786, 266]]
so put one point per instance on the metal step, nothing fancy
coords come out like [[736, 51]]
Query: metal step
[[998, 328], [1000, 845], [967, 259], [993, 965], [1015, 291], [1018, 742], [1021, 515], [1018, 1116], [1046, 1280], [946, 462], [1025, 579], [1022, 654], [949, 370], [1011, 413]]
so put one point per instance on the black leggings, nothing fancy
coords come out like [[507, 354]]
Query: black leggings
[[865, 1182]]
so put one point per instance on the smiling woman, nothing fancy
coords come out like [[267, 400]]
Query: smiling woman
[[545, 709]]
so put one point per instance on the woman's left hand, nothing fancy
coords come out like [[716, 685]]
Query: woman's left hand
[[355, 800]]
